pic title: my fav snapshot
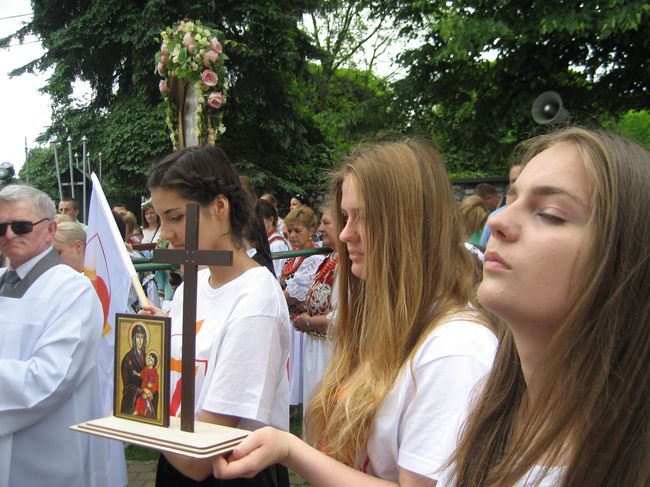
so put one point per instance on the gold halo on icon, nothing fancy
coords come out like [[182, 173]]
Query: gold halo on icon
[[136, 323]]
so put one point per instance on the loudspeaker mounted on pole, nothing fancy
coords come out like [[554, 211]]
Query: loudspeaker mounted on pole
[[548, 107]]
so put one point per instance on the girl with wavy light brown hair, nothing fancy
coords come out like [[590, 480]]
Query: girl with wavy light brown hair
[[408, 347], [150, 223], [472, 217], [567, 267]]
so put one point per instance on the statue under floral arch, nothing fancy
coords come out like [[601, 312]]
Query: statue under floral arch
[[191, 63]]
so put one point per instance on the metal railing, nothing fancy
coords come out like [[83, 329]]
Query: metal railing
[[143, 264]]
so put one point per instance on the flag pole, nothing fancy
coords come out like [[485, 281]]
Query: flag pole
[[139, 290]]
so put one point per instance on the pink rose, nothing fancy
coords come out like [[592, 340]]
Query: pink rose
[[161, 69], [209, 77], [209, 57], [187, 39], [216, 45], [163, 59], [215, 99], [163, 48], [191, 48], [162, 86]]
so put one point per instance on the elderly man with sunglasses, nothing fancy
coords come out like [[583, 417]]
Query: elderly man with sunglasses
[[50, 324]]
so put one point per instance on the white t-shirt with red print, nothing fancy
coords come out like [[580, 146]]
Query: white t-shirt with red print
[[242, 344]]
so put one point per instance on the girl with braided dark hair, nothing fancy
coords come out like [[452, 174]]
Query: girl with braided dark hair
[[243, 334]]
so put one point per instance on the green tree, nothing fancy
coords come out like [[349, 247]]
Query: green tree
[[355, 107], [634, 124], [40, 170], [348, 101], [133, 136], [111, 45], [348, 34], [480, 66]]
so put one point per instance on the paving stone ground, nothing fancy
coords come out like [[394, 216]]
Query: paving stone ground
[[143, 474]]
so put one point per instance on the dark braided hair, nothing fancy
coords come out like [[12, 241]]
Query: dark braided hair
[[200, 174]]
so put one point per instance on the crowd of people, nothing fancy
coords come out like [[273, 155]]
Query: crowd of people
[[500, 340]]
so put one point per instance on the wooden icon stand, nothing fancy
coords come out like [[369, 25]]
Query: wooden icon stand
[[206, 441], [184, 436]]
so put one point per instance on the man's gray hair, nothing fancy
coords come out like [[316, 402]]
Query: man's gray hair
[[15, 193]]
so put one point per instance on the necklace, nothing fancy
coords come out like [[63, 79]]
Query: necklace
[[326, 271], [292, 264]]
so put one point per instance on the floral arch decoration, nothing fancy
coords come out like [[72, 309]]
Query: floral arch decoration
[[191, 63]]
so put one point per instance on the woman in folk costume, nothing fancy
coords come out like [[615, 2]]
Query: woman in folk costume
[[408, 349], [316, 322], [243, 335], [297, 277]]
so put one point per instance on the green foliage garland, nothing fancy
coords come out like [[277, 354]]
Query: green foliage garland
[[192, 53]]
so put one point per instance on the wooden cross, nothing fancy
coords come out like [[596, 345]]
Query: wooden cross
[[190, 257]]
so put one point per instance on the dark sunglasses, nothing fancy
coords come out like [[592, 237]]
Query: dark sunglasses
[[19, 227]]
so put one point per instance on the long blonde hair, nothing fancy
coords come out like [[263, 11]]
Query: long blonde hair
[[418, 272], [593, 413]]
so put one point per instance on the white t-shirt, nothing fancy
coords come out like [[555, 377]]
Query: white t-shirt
[[242, 344], [429, 391], [150, 234], [552, 477]]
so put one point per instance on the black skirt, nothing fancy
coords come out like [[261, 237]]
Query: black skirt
[[168, 476]]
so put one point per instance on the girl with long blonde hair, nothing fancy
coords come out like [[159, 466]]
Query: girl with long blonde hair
[[567, 268], [408, 348]]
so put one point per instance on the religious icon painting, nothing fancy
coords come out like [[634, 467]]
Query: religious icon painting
[[142, 368]]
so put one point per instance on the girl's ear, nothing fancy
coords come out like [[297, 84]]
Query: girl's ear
[[220, 206]]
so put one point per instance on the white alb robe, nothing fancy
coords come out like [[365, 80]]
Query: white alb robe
[[48, 382]]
